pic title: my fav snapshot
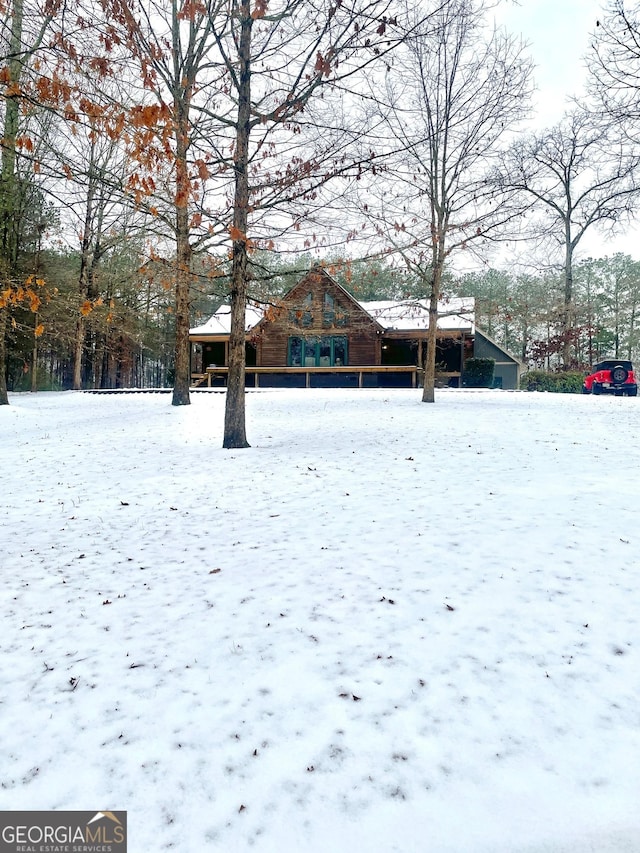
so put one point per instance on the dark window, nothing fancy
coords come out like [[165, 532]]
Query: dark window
[[294, 358], [333, 314], [310, 349], [329, 310], [340, 350], [303, 316], [325, 351]]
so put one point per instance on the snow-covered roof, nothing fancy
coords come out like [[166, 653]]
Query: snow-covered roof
[[220, 323], [400, 315], [413, 314]]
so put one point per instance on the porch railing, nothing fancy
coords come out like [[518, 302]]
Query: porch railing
[[358, 370]]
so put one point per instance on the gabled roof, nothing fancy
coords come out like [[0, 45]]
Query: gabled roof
[[413, 314], [313, 279], [390, 315]]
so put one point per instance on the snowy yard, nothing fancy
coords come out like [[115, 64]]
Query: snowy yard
[[386, 626]]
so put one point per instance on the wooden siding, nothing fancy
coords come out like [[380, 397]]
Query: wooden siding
[[299, 316]]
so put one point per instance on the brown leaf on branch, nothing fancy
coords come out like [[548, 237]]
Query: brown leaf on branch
[[191, 9], [259, 9], [203, 171], [25, 143], [323, 65]]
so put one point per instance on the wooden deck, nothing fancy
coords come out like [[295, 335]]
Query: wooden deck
[[202, 380], [358, 370]]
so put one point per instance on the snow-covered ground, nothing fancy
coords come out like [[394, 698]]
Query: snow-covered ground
[[386, 626]]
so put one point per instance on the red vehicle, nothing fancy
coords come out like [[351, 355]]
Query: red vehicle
[[612, 376]]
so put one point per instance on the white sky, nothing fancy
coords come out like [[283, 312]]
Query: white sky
[[558, 33]]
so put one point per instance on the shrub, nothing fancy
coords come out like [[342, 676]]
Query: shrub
[[569, 382], [478, 373]]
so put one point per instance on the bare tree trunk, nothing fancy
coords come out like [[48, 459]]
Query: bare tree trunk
[[182, 378], [234, 416], [428, 391], [34, 359], [8, 189], [437, 267], [4, 397], [83, 283], [78, 350], [566, 320]]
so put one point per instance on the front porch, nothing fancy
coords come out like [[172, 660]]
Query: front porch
[[346, 376]]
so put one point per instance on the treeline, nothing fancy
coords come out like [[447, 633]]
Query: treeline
[[129, 321], [524, 312], [122, 334], [128, 318], [127, 327]]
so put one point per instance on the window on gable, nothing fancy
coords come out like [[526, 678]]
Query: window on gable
[[302, 315], [332, 312], [329, 310]]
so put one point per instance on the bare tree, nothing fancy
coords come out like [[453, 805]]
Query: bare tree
[[614, 63], [97, 208], [279, 66], [453, 95], [222, 121], [579, 174], [162, 111]]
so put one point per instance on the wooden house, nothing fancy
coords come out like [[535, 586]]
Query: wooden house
[[318, 335]]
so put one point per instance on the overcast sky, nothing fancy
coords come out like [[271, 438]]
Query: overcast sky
[[559, 34]]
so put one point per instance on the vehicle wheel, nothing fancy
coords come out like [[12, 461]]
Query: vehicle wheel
[[619, 374], [586, 390], [596, 388], [632, 392]]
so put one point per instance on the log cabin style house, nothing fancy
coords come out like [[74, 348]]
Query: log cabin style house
[[319, 335]]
